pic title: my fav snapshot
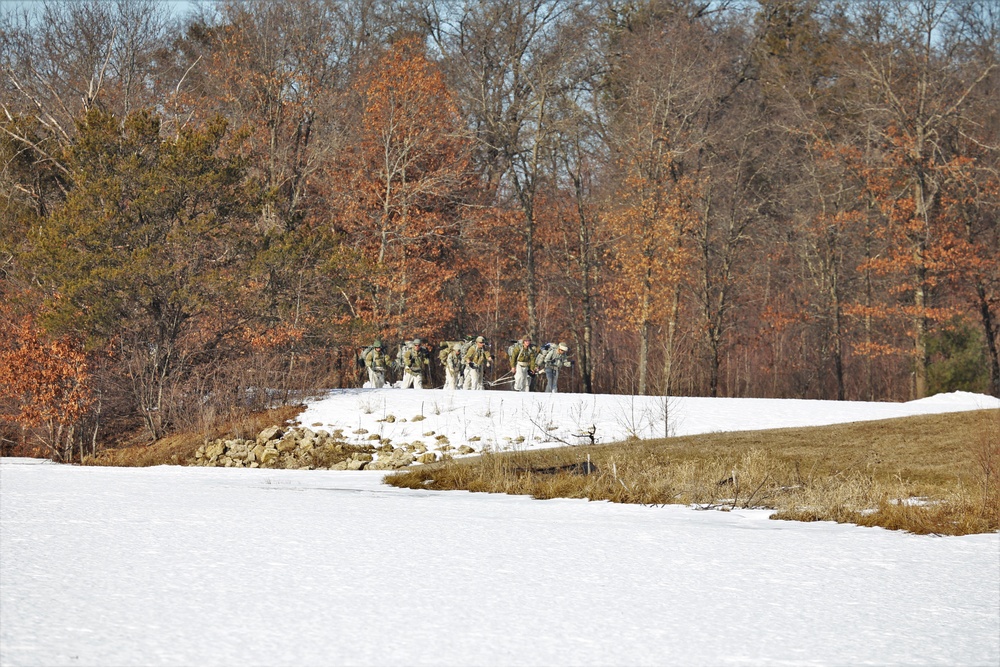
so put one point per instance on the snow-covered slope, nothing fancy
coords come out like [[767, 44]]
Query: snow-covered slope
[[510, 420]]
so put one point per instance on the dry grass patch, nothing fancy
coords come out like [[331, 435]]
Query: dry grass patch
[[928, 474], [179, 448]]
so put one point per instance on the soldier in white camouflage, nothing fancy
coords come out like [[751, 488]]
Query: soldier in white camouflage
[[555, 359], [522, 362], [451, 358], [377, 361], [477, 359], [414, 362]]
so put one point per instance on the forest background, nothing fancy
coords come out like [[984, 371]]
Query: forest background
[[203, 213]]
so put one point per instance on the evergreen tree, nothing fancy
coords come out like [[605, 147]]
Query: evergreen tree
[[146, 253]]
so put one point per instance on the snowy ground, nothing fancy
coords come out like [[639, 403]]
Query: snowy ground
[[222, 566], [509, 420]]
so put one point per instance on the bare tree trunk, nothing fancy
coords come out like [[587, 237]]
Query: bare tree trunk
[[990, 329], [923, 201], [668, 351], [531, 279], [645, 329], [643, 356], [714, 362], [920, 337], [838, 346], [584, 254]]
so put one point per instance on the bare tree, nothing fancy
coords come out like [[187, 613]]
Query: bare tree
[[282, 72], [919, 88], [509, 68], [68, 56]]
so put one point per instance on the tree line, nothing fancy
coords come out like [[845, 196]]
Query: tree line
[[209, 212]]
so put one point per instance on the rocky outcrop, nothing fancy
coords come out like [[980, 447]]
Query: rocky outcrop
[[303, 448]]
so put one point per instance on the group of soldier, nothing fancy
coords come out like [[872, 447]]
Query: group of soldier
[[465, 363]]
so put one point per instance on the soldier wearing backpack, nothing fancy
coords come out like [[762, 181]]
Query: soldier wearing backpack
[[522, 362], [376, 361], [451, 358], [477, 357], [554, 359], [414, 360]]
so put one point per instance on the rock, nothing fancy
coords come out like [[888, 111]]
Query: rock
[[268, 456], [428, 457], [214, 450], [287, 445], [269, 433], [465, 449], [237, 450], [418, 418], [400, 459], [354, 464]]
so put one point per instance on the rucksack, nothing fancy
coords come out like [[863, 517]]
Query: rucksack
[[361, 356], [542, 353], [512, 348], [463, 345], [446, 348]]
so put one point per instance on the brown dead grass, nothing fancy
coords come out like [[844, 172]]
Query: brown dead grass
[[929, 474], [179, 449]]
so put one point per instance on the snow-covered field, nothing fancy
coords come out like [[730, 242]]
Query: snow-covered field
[[223, 566]]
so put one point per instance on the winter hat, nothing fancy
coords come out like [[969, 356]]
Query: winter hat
[[480, 339], [417, 341], [563, 347]]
